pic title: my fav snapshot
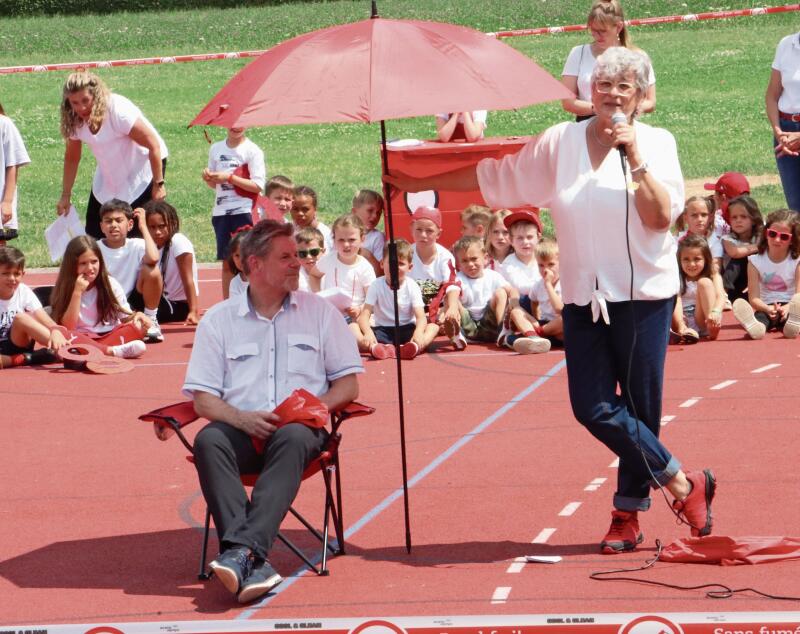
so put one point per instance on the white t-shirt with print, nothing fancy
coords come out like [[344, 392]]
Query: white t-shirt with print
[[439, 268], [123, 166], [477, 292], [23, 300], [352, 279], [222, 158], [123, 264], [173, 284], [380, 297], [12, 153], [89, 316], [776, 279]]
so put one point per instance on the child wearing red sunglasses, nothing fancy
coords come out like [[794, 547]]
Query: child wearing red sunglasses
[[773, 279]]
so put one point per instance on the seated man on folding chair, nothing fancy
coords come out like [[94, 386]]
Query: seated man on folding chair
[[250, 352]]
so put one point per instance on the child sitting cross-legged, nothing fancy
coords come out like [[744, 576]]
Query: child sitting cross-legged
[[545, 295], [23, 321], [431, 264], [310, 248], [133, 262], [414, 334], [475, 307]]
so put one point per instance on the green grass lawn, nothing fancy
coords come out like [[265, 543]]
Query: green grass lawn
[[711, 80]]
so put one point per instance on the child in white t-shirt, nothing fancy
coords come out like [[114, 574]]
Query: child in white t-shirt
[[233, 164], [368, 205], [476, 306], [546, 293], [520, 268], [347, 271], [304, 214], [414, 334], [310, 248], [280, 191], [23, 321], [13, 155], [177, 263], [432, 266], [133, 262]]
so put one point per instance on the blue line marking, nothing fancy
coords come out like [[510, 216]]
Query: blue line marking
[[416, 479]]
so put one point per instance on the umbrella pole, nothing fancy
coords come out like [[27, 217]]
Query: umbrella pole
[[393, 269]]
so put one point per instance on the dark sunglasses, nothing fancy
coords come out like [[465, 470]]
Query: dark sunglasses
[[303, 254], [783, 237]]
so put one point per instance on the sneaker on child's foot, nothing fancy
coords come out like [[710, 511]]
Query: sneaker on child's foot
[[745, 315], [131, 350], [792, 326], [502, 338], [531, 345], [696, 507], [382, 351], [409, 350], [623, 535], [154, 334], [459, 341], [42, 356]]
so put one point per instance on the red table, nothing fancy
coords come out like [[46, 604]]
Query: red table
[[428, 158]]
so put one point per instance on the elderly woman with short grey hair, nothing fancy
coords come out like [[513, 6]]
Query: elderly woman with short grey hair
[[619, 277]]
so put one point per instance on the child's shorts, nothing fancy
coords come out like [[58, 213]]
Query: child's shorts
[[9, 348], [224, 227], [691, 321], [484, 329], [556, 341], [385, 334], [168, 311]]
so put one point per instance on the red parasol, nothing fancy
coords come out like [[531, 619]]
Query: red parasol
[[375, 70]]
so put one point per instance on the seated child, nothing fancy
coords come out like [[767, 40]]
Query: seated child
[[415, 334], [520, 268], [498, 245], [773, 280], [239, 282], [87, 301], [231, 208], [23, 321], [178, 266], [431, 264], [475, 307], [304, 214], [546, 293], [475, 220], [461, 126], [697, 309], [368, 205], [728, 186], [310, 247], [747, 224], [345, 269], [133, 262], [280, 190]]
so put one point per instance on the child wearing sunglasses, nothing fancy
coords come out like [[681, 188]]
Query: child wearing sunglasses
[[773, 280], [310, 247]]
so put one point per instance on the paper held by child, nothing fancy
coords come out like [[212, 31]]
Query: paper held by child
[[337, 297], [61, 231]]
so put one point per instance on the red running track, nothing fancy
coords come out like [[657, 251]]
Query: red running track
[[100, 521]]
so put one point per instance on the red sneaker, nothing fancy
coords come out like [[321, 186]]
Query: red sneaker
[[382, 351], [695, 509], [409, 350], [623, 535]]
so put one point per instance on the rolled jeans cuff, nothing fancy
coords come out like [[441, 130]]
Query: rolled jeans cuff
[[624, 503]]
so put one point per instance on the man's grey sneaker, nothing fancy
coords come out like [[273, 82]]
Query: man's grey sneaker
[[232, 567], [261, 580]]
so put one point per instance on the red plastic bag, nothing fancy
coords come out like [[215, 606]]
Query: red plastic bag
[[301, 406], [731, 551]]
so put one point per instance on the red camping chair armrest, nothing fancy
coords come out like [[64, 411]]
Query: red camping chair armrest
[[170, 419]]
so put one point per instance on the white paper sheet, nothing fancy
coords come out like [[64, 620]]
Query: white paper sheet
[[61, 232]]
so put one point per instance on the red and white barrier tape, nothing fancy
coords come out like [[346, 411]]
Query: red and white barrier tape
[[545, 30]]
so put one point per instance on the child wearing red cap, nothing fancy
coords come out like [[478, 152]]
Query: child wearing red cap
[[520, 267], [728, 186], [431, 264]]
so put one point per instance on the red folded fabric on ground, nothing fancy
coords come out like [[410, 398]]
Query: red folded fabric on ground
[[301, 406], [731, 551]]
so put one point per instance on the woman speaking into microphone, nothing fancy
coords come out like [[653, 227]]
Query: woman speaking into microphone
[[619, 277]]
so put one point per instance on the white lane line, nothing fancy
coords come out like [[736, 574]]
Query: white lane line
[[614, 464], [667, 419], [691, 401], [543, 536], [594, 484], [517, 566], [501, 594], [723, 385], [569, 509], [764, 368]]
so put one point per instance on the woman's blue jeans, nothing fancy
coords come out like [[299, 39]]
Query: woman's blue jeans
[[789, 169], [605, 362]]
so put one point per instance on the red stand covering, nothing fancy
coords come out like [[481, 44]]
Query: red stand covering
[[429, 158]]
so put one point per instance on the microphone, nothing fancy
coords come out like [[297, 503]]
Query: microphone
[[617, 118]]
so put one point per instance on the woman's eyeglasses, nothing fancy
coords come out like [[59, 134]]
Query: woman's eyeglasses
[[624, 89], [303, 253], [780, 235]]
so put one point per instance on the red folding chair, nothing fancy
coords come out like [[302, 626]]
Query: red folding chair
[[168, 421]]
